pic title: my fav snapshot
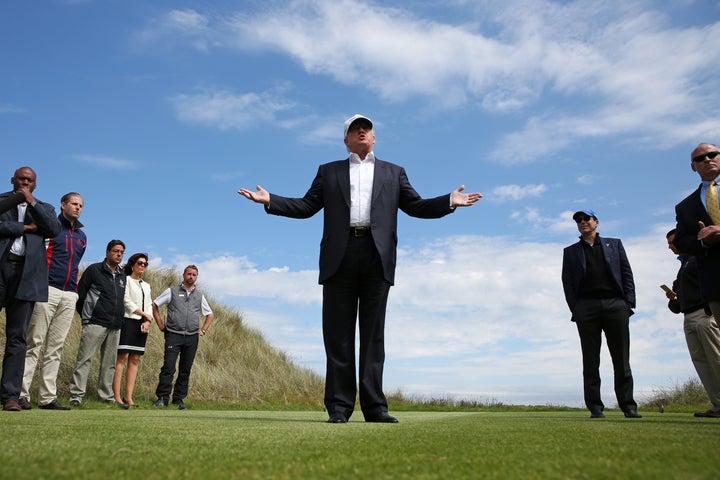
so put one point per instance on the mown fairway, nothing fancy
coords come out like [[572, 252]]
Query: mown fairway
[[146, 443]]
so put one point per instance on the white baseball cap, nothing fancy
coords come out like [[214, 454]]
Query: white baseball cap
[[354, 119]]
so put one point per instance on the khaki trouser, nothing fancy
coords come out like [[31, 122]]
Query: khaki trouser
[[703, 340], [94, 337], [49, 326]]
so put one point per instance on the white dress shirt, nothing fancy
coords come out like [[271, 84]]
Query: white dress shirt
[[362, 173]]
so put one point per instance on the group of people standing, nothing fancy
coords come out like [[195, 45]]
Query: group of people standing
[[40, 255], [600, 291]]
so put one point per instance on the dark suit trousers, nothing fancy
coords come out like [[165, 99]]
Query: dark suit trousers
[[357, 291], [17, 319], [185, 347], [612, 316]]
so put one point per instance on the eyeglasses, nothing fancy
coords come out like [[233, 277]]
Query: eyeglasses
[[142, 264], [582, 219], [701, 158]]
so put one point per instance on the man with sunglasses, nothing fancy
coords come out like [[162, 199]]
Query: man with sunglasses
[[698, 223], [600, 291]]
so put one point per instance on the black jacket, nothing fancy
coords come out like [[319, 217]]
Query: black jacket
[[101, 296]]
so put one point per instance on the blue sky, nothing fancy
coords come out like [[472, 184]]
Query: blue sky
[[158, 112]]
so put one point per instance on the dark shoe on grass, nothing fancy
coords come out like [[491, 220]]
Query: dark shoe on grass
[[24, 403], [708, 414], [337, 418], [160, 402], [382, 417], [54, 405]]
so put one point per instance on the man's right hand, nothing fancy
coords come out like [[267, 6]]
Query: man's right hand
[[260, 196]]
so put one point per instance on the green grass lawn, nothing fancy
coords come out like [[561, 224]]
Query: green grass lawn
[[146, 443]]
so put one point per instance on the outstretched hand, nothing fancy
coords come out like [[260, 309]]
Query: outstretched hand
[[260, 196], [459, 199]]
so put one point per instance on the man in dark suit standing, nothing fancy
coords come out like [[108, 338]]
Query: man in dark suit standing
[[600, 291], [23, 275], [698, 223], [360, 196]]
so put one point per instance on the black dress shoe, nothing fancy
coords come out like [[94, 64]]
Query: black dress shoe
[[382, 417], [54, 405], [160, 402], [597, 415], [24, 403], [337, 418], [632, 414]]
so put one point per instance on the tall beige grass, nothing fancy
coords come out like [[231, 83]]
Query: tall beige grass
[[234, 364]]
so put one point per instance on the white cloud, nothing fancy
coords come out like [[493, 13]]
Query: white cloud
[[230, 111], [178, 27], [517, 192], [620, 68], [104, 161]]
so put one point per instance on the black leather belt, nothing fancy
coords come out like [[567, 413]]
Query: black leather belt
[[11, 257], [360, 231]]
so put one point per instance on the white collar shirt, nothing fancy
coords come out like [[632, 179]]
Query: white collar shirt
[[18, 246], [362, 173]]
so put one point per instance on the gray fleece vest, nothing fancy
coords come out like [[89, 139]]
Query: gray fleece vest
[[183, 313]]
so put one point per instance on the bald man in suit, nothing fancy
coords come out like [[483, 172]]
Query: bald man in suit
[[361, 196], [696, 232]]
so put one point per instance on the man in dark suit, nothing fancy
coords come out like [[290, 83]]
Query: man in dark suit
[[360, 196], [600, 291], [697, 233], [23, 275]]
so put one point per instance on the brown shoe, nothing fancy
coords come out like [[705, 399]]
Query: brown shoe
[[708, 414], [11, 406]]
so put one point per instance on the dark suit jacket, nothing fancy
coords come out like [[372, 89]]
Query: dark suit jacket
[[573, 270], [687, 214], [331, 190], [34, 283]]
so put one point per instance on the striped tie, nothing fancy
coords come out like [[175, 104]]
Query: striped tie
[[713, 207]]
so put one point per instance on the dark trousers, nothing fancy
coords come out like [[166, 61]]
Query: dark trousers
[[358, 291], [612, 316], [17, 319], [184, 346]]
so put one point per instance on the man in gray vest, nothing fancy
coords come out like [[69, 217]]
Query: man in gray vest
[[182, 330]]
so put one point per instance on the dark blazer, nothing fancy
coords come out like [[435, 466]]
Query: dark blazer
[[687, 214], [573, 270], [331, 190], [34, 283]]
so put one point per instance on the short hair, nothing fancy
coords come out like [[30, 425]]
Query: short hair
[[191, 267], [132, 261], [113, 243], [66, 198], [671, 232]]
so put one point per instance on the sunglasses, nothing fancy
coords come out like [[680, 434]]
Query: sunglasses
[[701, 158], [583, 219], [142, 264]]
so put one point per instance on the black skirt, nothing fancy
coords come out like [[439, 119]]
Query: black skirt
[[132, 340]]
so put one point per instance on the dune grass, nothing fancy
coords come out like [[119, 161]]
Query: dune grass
[[105, 442]]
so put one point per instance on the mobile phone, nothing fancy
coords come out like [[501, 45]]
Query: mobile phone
[[666, 288]]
